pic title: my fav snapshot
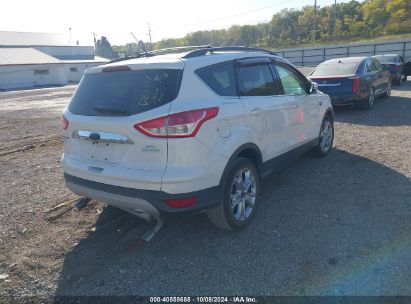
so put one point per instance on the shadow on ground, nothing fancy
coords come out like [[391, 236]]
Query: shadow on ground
[[404, 87], [338, 225]]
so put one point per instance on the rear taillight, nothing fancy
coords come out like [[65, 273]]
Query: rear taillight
[[65, 122], [184, 124], [355, 84], [181, 203]]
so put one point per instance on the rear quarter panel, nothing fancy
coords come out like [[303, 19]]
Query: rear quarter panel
[[196, 163]]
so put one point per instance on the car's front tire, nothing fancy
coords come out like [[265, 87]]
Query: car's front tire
[[398, 82], [325, 138], [240, 191]]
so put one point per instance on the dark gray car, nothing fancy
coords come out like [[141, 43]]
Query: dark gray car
[[395, 64]]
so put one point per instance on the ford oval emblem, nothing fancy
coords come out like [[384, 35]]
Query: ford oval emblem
[[94, 136]]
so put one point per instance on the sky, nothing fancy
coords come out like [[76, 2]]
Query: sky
[[116, 19]]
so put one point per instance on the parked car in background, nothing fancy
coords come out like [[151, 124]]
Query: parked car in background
[[407, 69], [395, 64], [353, 80], [191, 132]]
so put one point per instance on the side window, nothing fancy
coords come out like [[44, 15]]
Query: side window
[[256, 80], [371, 67], [220, 78], [368, 67], [378, 65], [291, 81]]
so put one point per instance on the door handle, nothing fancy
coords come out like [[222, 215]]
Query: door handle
[[294, 106], [256, 111]]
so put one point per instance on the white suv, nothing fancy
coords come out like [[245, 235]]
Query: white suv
[[191, 132]]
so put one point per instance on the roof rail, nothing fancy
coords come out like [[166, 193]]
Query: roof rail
[[204, 51], [161, 51], [180, 49]]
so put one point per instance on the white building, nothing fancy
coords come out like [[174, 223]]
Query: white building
[[42, 59]]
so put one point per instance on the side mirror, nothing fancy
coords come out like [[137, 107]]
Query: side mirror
[[313, 87]]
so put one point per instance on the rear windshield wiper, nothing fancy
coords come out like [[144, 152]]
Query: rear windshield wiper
[[109, 110]]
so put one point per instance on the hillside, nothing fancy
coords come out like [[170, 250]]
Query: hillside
[[352, 21]]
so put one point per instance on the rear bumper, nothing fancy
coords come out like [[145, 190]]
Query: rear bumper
[[140, 201], [345, 100], [395, 76]]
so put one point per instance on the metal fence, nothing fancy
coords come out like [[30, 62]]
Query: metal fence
[[314, 56]]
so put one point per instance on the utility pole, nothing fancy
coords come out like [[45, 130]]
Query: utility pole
[[149, 35], [315, 21], [335, 14]]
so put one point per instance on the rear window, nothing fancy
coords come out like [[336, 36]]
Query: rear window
[[386, 59], [220, 78], [124, 93], [326, 69]]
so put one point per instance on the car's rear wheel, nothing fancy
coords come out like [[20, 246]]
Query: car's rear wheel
[[240, 190], [370, 101], [325, 138], [388, 91]]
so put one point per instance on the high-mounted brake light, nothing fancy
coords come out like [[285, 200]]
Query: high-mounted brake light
[[183, 124], [116, 68], [65, 122], [355, 84]]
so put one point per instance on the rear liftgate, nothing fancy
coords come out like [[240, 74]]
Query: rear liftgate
[[106, 137]]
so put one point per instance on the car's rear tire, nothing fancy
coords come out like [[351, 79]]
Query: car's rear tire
[[388, 91], [240, 190], [325, 138], [370, 101]]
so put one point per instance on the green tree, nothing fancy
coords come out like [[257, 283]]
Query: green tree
[[287, 28]]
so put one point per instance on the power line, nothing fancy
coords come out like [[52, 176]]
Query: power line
[[240, 14]]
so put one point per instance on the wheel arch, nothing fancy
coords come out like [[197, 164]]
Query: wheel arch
[[329, 112], [249, 151]]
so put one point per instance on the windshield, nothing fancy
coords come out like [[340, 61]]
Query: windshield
[[124, 93], [327, 69], [386, 59]]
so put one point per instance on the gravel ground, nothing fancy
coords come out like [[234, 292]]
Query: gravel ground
[[334, 226]]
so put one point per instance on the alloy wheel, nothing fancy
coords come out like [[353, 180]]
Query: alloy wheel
[[388, 89], [371, 99], [243, 194], [326, 136]]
